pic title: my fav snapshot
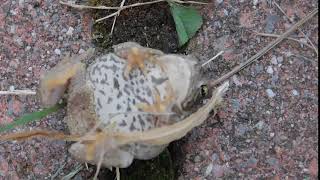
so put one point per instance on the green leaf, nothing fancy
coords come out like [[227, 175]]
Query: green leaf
[[188, 21], [27, 118]]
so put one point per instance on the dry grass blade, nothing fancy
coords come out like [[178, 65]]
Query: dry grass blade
[[308, 39], [124, 7], [39, 133], [115, 17], [77, 169], [157, 136], [207, 62], [18, 92], [78, 6], [292, 39], [263, 51]]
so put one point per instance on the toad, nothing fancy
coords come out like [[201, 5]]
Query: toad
[[132, 90]]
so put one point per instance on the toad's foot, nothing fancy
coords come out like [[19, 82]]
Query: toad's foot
[[136, 55], [161, 107]]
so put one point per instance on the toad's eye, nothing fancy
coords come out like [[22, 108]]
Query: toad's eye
[[204, 90]]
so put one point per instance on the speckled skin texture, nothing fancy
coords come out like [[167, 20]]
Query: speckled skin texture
[[103, 96], [133, 89]]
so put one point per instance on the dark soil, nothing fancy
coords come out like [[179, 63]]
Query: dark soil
[[150, 25]]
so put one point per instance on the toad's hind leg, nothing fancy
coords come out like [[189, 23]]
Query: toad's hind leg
[[55, 82]]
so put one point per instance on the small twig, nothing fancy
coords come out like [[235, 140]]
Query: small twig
[[118, 173], [304, 58], [18, 92], [106, 17], [115, 17], [78, 6], [263, 51], [293, 39], [207, 62], [58, 172], [73, 173], [124, 7], [313, 46], [141, 113]]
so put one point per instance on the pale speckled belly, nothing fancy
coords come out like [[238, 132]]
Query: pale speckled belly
[[116, 98]]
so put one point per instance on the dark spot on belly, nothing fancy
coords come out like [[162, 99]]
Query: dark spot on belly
[[149, 93], [142, 123], [103, 81], [109, 100], [142, 99], [118, 107], [141, 81], [123, 123], [99, 103], [133, 101], [116, 83], [158, 81], [128, 108], [113, 59], [149, 119], [143, 146], [132, 127], [94, 69], [119, 94], [102, 92], [134, 119], [125, 90], [137, 91]]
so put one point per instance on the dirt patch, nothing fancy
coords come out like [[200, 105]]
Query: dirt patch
[[149, 25]]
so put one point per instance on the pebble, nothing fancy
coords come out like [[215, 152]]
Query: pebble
[[14, 63], [269, 70], [219, 1], [252, 162], [226, 13], [57, 51], [11, 88], [81, 51], [272, 134], [236, 80], [280, 59], [270, 93], [70, 31], [208, 169], [273, 162], [197, 159], [235, 104], [241, 130], [215, 157], [255, 2], [259, 125], [274, 60], [271, 22], [218, 171], [295, 92], [28, 48]]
